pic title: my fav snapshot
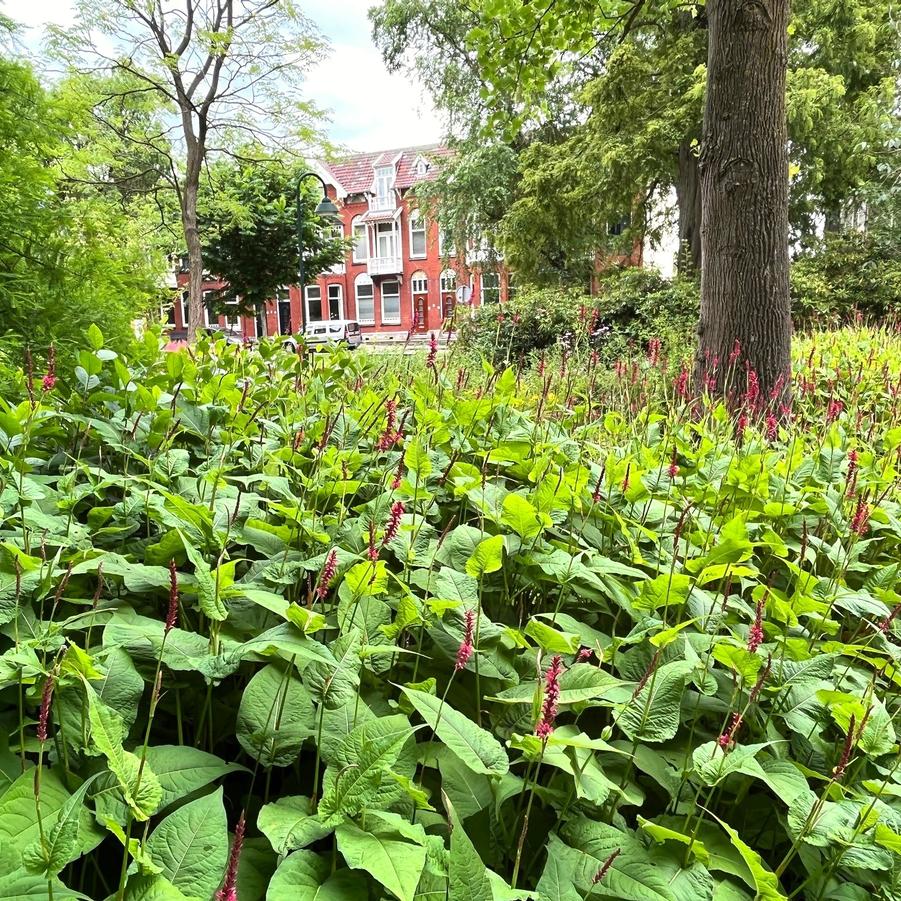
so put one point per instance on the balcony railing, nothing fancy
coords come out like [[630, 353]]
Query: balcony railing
[[386, 265]]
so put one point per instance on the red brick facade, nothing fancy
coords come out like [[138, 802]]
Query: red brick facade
[[396, 277]]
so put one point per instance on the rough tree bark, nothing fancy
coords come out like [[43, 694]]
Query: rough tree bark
[[688, 200], [744, 196], [188, 200]]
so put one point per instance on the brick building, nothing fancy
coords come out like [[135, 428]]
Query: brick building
[[398, 274]]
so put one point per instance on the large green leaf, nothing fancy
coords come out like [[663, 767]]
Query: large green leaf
[[304, 876], [475, 747], [140, 787], [205, 584], [487, 557], [18, 884], [19, 821], [467, 874], [289, 823], [182, 769], [336, 683], [275, 717], [363, 760], [191, 845], [766, 882], [61, 845], [393, 863], [653, 714]]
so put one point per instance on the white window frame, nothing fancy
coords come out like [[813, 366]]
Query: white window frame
[[338, 291], [306, 300], [393, 233], [393, 319], [384, 188], [442, 240], [419, 282], [363, 280], [357, 225], [417, 223], [448, 282], [206, 310], [494, 289], [233, 322], [336, 232]]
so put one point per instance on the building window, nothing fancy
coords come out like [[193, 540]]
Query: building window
[[391, 302], [445, 246], [421, 167], [361, 240], [363, 294], [384, 185], [314, 303], [335, 302], [232, 316], [417, 235], [491, 287], [419, 283], [336, 234], [448, 281], [208, 317], [183, 301], [385, 240]]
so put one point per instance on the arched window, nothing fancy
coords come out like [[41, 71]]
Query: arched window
[[361, 240], [448, 281], [363, 294], [419, 282]]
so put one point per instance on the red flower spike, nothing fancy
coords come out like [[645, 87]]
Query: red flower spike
[[755, 633], [329, 568], [172, 611], [602, 872], [464, 652], [391, 529], [229, 890], [545, 724], [46, 701]]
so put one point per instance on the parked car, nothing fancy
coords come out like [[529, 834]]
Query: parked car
[[330, 331]]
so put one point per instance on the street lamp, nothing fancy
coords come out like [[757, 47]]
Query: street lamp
[[327, 210]]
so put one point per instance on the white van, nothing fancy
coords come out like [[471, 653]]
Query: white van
[[332, 331]]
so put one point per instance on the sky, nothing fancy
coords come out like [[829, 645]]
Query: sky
[[371, 109]]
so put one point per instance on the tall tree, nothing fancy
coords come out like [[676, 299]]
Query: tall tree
[[744, 197], [249, 232], [227, 71]]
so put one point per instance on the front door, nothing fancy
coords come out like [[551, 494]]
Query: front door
[[420, 311], [448, 306]]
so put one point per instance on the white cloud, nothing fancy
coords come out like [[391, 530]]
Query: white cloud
[[370, 108]]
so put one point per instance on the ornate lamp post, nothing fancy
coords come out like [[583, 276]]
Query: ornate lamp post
[[327, 210]]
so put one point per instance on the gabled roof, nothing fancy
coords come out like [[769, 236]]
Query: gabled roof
[[354, 174]]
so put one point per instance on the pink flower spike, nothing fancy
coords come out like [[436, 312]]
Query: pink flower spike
[[860, 523], [329, 568], [433, 351], [465, 650], [755, 633], [229, 890], [602, 871], [551, 695], [393, 525], [46, 701]]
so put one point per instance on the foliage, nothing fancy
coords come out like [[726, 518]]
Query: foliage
[[562, 636], [853, 273], [632, 305], [70, 254], [248, 227]]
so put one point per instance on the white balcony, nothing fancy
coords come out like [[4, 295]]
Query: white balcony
[[386, 265]]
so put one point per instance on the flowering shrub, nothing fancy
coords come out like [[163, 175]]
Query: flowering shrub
[[340, 627]]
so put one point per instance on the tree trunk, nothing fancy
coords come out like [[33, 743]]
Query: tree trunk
[[744, 196], [688, 199], [192, 239]]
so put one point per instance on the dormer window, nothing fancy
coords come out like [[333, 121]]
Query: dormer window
[[421, 168], [384, 187]]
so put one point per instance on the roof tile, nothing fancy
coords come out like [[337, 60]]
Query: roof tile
[[355, 173]]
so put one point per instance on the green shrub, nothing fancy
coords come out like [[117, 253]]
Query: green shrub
[[846, 275], [632, 306]]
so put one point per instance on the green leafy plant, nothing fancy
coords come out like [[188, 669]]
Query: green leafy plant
[[566, 635]]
